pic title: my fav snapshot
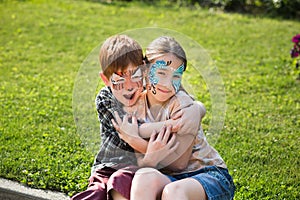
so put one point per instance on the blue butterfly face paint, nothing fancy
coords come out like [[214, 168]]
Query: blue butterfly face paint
[[177, 74], [161, 73]]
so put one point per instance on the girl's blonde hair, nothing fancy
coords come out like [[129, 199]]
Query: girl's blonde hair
[[164, 45]]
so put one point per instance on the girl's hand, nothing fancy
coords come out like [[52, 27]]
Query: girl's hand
[[160, 146], [125, 128]]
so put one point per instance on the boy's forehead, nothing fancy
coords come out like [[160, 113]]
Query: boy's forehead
[[128, 71]]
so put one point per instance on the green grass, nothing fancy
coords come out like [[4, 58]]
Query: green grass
[[43, 44]]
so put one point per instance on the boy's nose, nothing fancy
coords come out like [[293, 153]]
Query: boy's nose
[[129, 85]]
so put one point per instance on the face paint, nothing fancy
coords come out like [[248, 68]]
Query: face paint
[[177, 77], [161, 73], [127, 86], [119, 79]]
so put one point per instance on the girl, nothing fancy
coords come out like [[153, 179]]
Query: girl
[[204, 174]]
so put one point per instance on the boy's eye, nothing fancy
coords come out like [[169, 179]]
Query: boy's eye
[[119, 81], [136, 78], [137, 75]]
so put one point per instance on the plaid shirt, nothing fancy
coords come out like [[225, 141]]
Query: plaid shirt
[[113, 150]]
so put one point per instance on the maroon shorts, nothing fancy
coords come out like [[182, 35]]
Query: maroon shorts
[[106, 179]]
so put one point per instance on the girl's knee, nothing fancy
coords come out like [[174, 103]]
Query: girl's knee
[[146, 174], [147, 184], [147, 178], [173, 190]]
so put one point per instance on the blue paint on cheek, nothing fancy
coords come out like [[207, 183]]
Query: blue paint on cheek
[[178, 73], [176, 85], [152, 77], [160, 64]]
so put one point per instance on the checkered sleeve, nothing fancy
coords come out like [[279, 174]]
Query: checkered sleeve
[[113, 149]]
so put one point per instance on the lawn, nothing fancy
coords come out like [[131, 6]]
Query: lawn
[[44, 44]]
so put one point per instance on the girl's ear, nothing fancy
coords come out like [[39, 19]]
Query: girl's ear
[[104, 79]]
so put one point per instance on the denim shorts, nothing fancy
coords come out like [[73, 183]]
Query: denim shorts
[[216, 181]]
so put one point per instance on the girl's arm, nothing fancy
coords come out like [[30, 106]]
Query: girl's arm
[[159, 147], [180, 122], [146, 129]]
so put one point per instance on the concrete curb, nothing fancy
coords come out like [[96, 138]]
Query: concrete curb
[[10, 190]]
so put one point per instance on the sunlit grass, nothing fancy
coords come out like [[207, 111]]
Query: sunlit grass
[[43, 44]]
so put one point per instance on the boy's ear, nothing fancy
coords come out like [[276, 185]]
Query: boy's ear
[[104, 79]]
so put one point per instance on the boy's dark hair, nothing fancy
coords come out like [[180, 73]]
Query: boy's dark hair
[[117, 52]]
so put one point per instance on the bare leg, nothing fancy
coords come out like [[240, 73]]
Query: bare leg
[[117, 196], [148, 184], [185, 189]]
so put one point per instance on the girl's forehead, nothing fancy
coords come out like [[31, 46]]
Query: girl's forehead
[[171, 60]]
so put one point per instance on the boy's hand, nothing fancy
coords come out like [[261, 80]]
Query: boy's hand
[[174, 123], [196, 112], [125, 128]]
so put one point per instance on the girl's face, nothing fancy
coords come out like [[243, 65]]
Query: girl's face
[[165, 77], [127, 86]]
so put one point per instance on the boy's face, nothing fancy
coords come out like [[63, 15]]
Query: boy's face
[[127, 85], [165, 77]]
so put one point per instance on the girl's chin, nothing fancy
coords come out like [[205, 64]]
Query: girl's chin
[[162, 98]]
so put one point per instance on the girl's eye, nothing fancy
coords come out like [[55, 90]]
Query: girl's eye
[[161, 73], [177, 76]]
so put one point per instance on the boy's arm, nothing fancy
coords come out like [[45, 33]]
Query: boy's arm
[[196, 111], [183, 106], [106, 107]]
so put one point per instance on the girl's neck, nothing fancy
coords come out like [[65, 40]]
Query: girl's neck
[[152, 101], [153, 104]]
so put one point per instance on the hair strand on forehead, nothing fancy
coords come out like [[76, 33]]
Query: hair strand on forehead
[[164, 45]]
